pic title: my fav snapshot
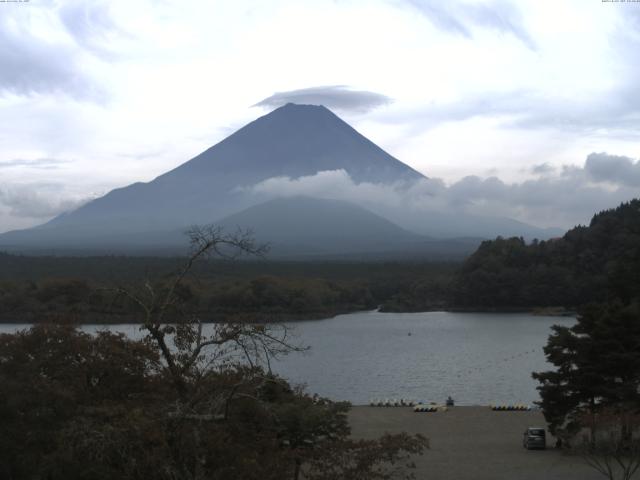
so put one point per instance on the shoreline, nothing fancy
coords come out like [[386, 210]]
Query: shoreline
[[112, 319], [538, 311], [473, 443]]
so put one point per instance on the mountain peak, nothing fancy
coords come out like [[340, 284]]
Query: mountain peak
[[300, 106], [292, 141], [305, 110], [297, 140]]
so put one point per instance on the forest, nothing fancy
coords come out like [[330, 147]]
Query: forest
[[178, 404], [34, 289], [590, 396], [588, 264], [593, 263]]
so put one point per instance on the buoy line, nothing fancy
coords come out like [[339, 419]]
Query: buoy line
[[392, 403], [495, 363], [430, 408], [510, 408]]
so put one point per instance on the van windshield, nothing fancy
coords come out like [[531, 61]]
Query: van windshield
[[536, 432]]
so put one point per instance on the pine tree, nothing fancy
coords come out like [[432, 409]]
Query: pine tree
[[597, 364]]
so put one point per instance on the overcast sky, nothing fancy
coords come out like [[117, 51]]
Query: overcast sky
[[489, 99]]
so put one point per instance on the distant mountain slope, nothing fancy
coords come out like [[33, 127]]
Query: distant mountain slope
[[303, 225], [293, 140], [300, 227], [588, 264], [452, 224], [295, 228]]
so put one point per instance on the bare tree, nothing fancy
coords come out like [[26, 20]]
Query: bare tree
[[190, 350], [222, 375], [612, 450], [187, 402]]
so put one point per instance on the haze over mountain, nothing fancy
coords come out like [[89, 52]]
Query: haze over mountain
[[292, 141], [311, 227]]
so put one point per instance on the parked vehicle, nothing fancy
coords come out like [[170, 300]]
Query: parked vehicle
[[534, 437]]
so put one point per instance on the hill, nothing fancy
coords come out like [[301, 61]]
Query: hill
[[599, 262], [310, 226], [304, 227]]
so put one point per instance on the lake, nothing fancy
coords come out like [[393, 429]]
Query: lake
[[477, 358]]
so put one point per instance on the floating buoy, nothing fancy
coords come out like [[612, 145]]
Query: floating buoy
[[392, 403], [510, 408], [428, 408]]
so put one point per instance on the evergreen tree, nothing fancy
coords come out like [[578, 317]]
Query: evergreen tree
[[597, 364]]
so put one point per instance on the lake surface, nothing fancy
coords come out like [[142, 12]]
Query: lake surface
[[477, 358]]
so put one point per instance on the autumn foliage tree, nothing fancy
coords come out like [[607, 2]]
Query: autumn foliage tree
[[187, 401]]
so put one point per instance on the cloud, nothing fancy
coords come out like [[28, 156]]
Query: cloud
[[610, 115], [592, 95], [338, 97], [92, 26], [556, 199], [335, 184], [36, 61], [602, 167], [37, 201], [459, 18], [40, 163], [513, 106], [543, 169]]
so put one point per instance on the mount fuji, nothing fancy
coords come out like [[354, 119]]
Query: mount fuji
[[292, 141]]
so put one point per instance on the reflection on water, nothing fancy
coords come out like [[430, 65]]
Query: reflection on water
[[477, 358]]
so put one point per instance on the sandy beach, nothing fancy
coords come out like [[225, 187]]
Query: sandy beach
[[473, 443]]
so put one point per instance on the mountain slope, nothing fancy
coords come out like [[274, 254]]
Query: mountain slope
[[304, 225], [293, 140], [452, 224]]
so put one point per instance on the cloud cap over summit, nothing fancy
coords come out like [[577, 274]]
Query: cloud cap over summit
[[335, 97]]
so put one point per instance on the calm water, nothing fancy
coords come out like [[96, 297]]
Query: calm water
[[476, 358]]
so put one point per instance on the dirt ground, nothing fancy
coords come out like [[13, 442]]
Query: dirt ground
[[473, 443]]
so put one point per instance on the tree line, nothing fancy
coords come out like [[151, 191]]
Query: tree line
[[179, 404], [591, 396], [87, 289], [594, 263], [263, 298]]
